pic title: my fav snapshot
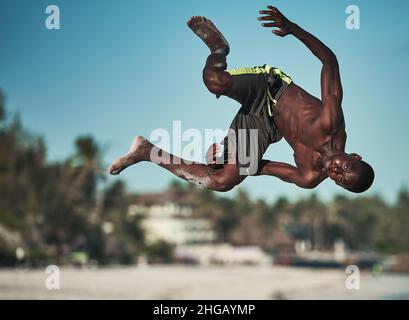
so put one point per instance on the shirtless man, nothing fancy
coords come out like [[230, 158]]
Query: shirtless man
[[274, 106]]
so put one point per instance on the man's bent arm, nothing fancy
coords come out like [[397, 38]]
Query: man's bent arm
[[331, 87], [319, 49], [287, 173]]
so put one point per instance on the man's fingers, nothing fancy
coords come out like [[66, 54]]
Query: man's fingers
[[278, 33], [266, 18], [270, 12], [271, 24], [274, 9]]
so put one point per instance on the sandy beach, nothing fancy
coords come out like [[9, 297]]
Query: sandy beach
[[185, 282]]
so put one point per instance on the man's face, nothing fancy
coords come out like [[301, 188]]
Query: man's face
[[343, 169]]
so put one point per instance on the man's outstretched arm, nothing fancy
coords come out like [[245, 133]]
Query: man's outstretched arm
[[331, 88], [287, 173]]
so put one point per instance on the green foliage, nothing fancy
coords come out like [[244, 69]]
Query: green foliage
[[9, 221], [7, 255], [2, 106], [364, 223], [59, 208], [159, 252]]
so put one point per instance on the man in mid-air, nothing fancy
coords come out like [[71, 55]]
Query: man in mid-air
[[272, 107]]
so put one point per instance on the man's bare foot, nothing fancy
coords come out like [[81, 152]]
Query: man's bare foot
[[207, 31], [139, 151]]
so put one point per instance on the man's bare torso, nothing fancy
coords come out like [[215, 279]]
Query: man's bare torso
[[297, 117]]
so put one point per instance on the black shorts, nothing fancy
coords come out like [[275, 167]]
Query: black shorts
[[253, 129]]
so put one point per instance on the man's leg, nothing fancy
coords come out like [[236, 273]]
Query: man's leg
[[223, 179], [219, 82], [216, 79]]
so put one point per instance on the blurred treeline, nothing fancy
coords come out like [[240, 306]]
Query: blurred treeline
[[57, 211], [66, 211], [366, 223]]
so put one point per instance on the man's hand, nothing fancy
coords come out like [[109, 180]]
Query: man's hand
[[278, 20], [213, 153]]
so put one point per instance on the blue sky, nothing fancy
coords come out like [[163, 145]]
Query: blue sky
[[117, 69]]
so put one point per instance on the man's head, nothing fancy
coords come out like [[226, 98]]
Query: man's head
[[350, 172]]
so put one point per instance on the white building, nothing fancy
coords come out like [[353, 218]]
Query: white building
[[168, 216], [224, 254], [167, 219]]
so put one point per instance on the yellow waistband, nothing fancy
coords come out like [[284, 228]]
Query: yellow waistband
[[264, 69], [257, 70]]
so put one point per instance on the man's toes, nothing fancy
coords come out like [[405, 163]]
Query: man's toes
[[192, 22], [112, 169], [114, 172], [193, 19], [115, 168]]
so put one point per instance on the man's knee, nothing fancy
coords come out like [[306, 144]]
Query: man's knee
[[224, 182], [216, 61], [217, 82]]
